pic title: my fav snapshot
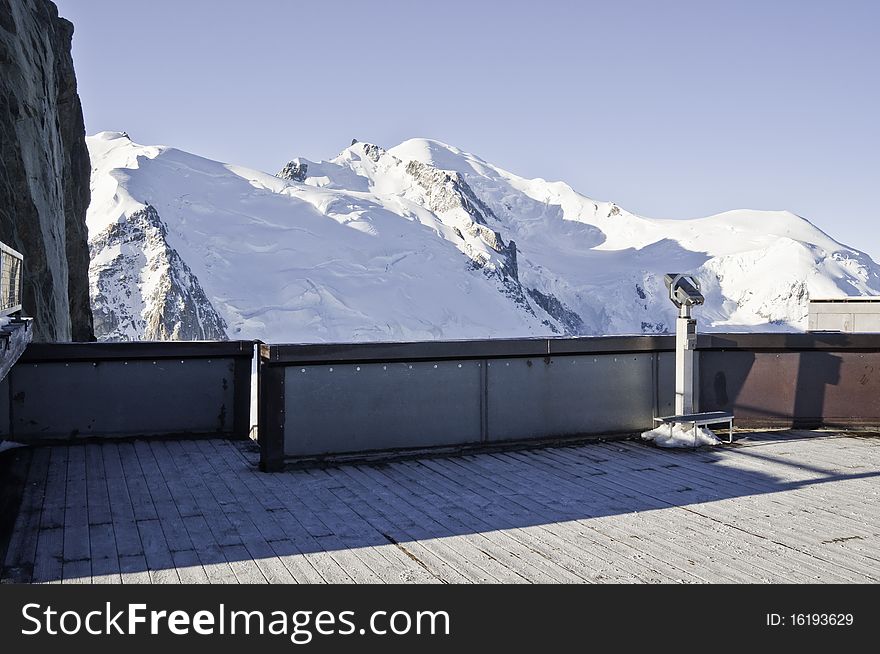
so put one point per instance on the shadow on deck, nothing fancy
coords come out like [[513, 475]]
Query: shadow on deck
[[791, 506]]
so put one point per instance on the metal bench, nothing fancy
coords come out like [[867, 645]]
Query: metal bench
[[701, 419]]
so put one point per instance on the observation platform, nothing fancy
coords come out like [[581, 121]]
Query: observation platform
[[780, 506]]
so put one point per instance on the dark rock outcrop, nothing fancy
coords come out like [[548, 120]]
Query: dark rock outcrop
[[295, 170], [135, 259], [44, 168]]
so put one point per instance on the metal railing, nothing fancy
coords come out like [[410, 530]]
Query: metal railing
[[11, 265], [345, 401], [324, 403]]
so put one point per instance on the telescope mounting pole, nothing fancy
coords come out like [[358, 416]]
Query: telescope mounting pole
[[685, 345]]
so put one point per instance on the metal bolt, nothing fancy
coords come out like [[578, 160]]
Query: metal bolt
[[358, 368]]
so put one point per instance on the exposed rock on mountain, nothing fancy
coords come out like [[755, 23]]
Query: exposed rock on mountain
[[141, 286]]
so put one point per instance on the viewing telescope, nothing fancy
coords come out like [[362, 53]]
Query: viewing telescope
[[684, 290]]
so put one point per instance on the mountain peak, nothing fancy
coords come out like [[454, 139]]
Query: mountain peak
[[426, 241], [111, 136]]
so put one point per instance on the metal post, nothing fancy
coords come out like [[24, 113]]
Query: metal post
[[685, 344]]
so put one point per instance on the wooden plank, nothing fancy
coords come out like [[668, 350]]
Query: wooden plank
[[409, 565], [160, 562], [133, 570], [297, 539], [49, 555], [510, 502], [370, 545], [782, 511], [475, 511], [189, 567], [76, 518], [413, 536], [138, 489], [646, 483], [243, 565], [614, 557], [269, 519], [235, 500], [96, 486], [77, 572], [22, 549], [473, 552], [128, 539], [690, 550], [56, 479], [104, 558]]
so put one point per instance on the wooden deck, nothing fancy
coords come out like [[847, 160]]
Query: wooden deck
[[795, 507]]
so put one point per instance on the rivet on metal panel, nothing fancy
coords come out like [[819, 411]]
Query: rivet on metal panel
[[303, 370], [358, 368], [435, 365], [125, 363], [331, 369], [181, 360], [94, 364], [410, 367], [615, 358], [154, 363], [67, 365], [507, 363], [459, 365], [595, 359], [384, 367]]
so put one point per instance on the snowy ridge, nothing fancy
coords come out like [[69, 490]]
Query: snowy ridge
[[422, 241]]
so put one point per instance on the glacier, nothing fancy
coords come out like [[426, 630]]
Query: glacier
[[418, 242]]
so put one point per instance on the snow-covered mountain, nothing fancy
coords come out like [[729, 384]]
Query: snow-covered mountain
[[422, 241]]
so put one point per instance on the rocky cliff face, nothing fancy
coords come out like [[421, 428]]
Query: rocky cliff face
[[44, 168], [143, 290]]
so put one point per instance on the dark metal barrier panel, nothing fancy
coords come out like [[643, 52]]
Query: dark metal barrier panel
[[570, 395], [793, 380], [96, 390], [319, 401], [373, 406]]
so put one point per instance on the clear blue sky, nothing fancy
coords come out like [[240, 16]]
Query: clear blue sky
[[671, 109]]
